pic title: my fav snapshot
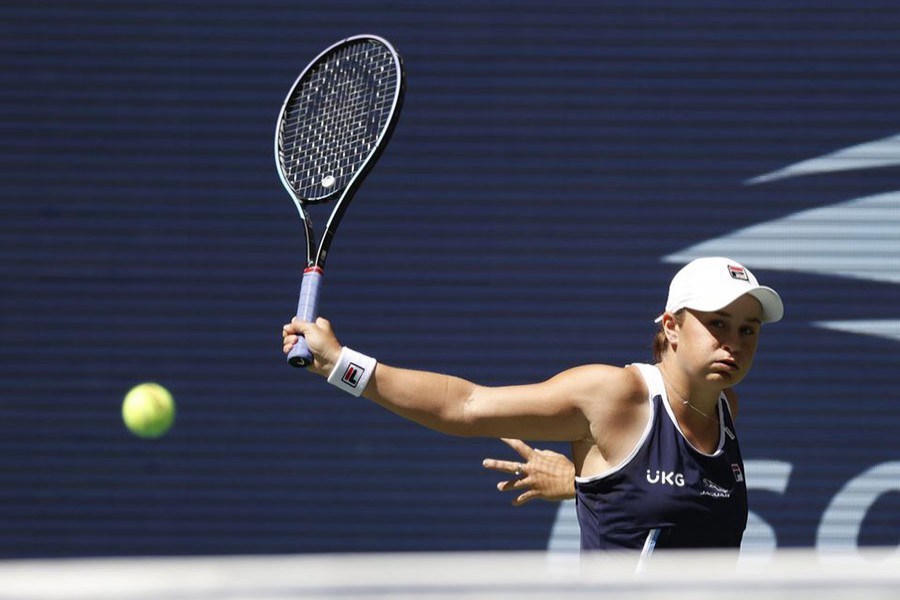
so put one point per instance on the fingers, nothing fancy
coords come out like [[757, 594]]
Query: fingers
[[320, 338], [288, 338], [515, 468], [515, 485], [512, 485], [506, 466], [526, 497], [524, 450], [301, 327], [291, 332]]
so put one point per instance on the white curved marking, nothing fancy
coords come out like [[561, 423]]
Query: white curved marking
[[880, 153], [859, 239]]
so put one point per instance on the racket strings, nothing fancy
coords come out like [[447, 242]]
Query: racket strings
[[336, 116]]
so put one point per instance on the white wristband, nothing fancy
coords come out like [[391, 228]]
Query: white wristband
[[352, 371]]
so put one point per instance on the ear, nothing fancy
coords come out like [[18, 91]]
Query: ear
[[671, 329]]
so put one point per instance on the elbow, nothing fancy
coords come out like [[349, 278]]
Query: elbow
[[459, 413], [468, 419]]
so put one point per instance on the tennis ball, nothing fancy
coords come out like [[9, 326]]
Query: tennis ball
[[148, 410]]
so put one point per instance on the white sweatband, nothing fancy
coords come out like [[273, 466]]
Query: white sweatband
[[352, 371]]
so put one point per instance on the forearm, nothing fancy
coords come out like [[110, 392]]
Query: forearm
[[437, 401]]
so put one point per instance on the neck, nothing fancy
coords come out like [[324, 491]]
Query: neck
[[690, 398]]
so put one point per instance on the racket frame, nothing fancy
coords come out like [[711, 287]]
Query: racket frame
[[315, 257]]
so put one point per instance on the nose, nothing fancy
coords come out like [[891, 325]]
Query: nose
[[731, 341]]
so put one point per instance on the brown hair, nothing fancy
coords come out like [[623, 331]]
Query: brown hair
[[660, 341]]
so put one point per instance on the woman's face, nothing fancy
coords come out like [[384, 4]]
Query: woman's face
[[719, 346]]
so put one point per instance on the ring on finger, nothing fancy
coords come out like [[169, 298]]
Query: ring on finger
[[520, 470]]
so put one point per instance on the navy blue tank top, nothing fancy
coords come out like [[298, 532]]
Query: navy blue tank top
[[666, 489]]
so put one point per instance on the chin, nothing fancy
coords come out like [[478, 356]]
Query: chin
[[726, 377]]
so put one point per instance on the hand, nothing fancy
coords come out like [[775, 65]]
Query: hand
[[320, 338], [546, 475]]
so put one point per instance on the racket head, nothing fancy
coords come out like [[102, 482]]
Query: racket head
[[337, 118]]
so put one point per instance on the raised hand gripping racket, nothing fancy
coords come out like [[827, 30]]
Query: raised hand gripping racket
[[333, 126]]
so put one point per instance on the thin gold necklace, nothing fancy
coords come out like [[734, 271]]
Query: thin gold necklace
[[688, 402], [699, 411]]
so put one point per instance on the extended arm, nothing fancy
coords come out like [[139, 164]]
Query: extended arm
[[562, 408]]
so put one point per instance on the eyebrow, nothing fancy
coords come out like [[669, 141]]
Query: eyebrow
[[729, 315]]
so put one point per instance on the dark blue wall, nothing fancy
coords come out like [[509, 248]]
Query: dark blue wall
[[553, 165]]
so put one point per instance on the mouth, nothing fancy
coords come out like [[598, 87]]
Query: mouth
[[727, 364]]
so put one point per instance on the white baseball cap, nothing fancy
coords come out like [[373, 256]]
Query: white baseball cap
[[712, 283]]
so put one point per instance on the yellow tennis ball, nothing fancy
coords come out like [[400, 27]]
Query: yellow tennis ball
[[148, 410]]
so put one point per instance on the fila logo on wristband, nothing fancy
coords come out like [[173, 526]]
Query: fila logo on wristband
[[352, 374], [352, 371]]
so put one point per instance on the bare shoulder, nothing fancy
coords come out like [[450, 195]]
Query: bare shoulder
[[610, 397], [607, 382]]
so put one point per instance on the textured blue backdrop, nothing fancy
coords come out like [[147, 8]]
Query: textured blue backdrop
[[554, 164]]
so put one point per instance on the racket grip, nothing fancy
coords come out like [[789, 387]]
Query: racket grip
[[307, 310]]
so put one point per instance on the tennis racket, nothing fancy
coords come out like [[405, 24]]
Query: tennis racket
[[333, 126]]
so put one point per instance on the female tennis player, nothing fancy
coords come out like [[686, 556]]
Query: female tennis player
[[655, 445]]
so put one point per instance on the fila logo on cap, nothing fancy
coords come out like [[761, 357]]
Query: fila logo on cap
[[352, 375], [738, 273]]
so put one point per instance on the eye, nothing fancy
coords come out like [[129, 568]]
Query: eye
[[748, 330]]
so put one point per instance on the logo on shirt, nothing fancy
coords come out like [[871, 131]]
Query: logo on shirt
[[658, 477], [738, 474], [714, 490]]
